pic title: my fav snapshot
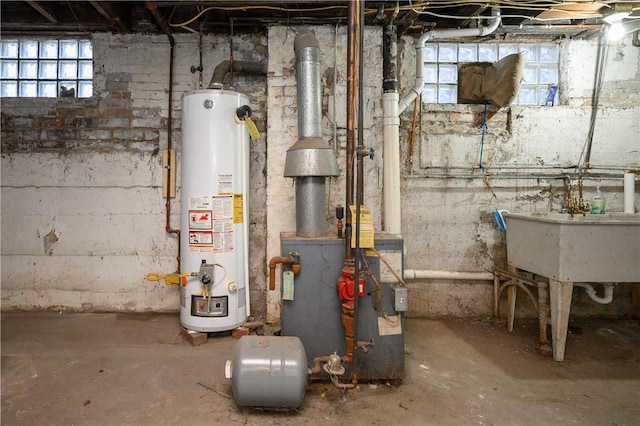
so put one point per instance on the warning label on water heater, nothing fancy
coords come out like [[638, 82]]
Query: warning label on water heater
[[211, 223], [223, 210], [200, 219]]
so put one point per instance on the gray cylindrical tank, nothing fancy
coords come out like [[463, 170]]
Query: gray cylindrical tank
[[268, 371]]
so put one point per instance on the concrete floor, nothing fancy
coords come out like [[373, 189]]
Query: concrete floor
[[104, 369]]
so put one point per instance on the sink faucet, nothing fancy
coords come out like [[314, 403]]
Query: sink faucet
[[576, 205]]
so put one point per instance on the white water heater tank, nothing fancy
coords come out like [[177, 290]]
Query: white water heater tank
[[214, 212]]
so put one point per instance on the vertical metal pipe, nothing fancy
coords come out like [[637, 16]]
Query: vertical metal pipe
[[308, 86], [351, 105], [310, 206], [310, 159], [358, 51], [168, 227], [360, 110]]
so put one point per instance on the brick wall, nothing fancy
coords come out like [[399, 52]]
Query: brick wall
[[83, 210]]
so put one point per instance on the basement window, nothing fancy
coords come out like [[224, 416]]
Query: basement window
[[46, 68], [541, 69]]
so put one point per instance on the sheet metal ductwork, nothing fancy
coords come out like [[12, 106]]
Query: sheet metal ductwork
[[310, 160], [226, 66]]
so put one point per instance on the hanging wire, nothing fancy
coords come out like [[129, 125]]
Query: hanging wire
[[485, 126]]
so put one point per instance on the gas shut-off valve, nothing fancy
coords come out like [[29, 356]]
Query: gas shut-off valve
[[206, 273]]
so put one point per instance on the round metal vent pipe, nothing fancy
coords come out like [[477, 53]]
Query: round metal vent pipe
[[310, 160]]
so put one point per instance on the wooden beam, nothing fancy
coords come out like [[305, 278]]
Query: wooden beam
[[105, 9], [42, 10], [407, 20], [472, 12], [152, 6]]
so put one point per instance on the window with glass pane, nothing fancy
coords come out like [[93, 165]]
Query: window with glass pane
[[46, 68], [540, 79]]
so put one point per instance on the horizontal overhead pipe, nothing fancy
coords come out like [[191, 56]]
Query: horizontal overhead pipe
[[417, 274], [443, 34]]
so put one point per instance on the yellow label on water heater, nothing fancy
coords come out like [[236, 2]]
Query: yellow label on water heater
[[238, 208]]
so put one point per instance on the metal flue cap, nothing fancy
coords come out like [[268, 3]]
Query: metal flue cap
[[310, 157]]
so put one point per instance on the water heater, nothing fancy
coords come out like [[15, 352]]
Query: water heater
[[214, 210]]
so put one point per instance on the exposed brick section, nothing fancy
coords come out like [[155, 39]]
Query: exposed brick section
[[194, 337]]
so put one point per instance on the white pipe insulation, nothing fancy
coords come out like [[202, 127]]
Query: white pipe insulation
[[417, 274], [393, 107]]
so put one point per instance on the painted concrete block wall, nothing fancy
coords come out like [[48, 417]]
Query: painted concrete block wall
[[448, 200], [83, 213]]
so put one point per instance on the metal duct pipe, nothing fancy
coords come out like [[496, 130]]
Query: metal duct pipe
[[225, 67], [310, 160], [307, 51]]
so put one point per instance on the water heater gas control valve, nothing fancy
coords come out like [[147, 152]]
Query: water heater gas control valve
[[206, 273]]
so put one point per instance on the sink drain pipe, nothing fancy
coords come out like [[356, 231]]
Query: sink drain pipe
[[593, 295], [421, 274]]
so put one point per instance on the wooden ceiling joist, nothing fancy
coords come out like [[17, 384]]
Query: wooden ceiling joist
[[44, 10], [107, 12]]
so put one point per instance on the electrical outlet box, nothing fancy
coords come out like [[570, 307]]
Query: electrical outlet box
[[400, 299]]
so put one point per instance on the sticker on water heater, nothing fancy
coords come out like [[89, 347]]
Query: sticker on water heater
[[200, 203], [238, 208], [225, 183], [223, 242], [200, 219], [200, 238], [222, 206]]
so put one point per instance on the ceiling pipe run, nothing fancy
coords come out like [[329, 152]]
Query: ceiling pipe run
[[393, 107], [310, 160]]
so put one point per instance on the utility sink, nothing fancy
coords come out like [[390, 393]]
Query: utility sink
[[589, 248], [583, 248]]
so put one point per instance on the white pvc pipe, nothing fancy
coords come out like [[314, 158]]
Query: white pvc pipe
[[591, 292], [444, 34], [629, 192], [391, 164], [393, 107], [417, 274]]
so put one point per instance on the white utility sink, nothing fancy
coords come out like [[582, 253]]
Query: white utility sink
[[583, 248]]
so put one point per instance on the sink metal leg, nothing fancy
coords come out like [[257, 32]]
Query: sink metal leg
[[543, 347], [560, 292], [512, 292]]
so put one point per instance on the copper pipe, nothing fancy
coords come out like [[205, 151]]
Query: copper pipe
[[153, 9], [317, 361], [292, 259], [413, 128], [348, 322]]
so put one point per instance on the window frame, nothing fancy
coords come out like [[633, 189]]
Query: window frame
[[32, 70], [439, 63]]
